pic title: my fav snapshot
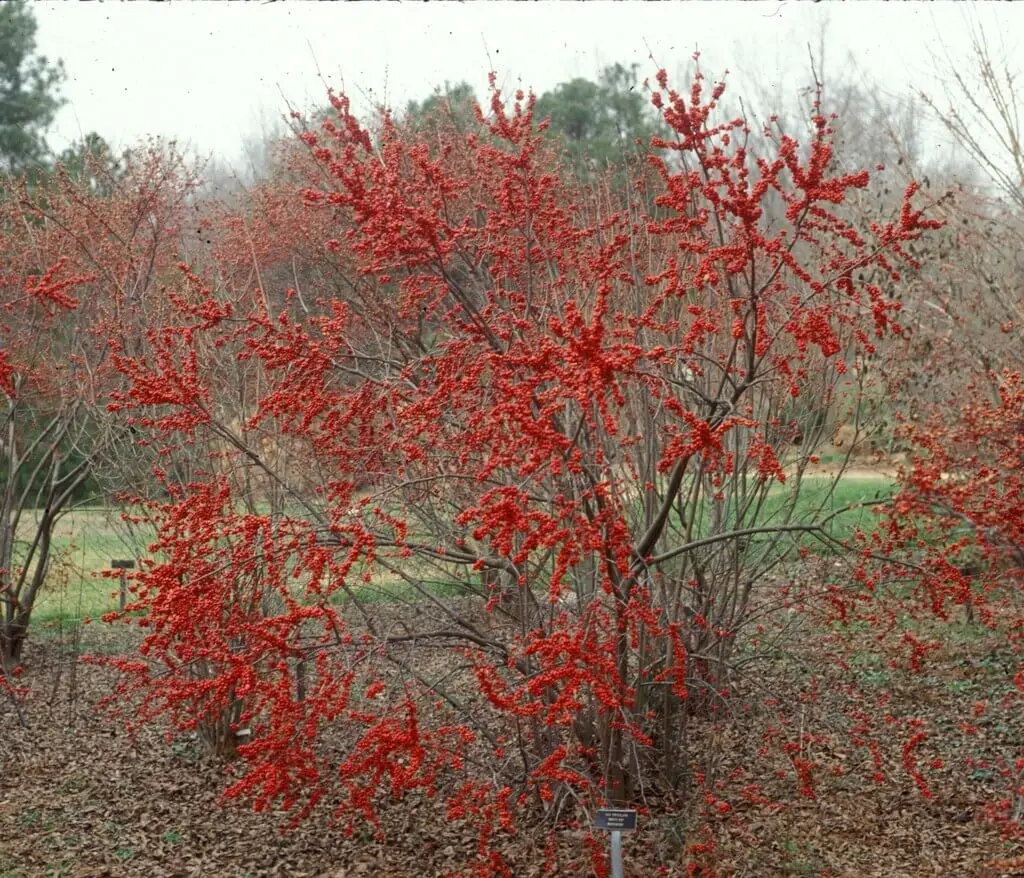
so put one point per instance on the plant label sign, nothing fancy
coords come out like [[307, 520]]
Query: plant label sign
[[615, 819], [122, 564]]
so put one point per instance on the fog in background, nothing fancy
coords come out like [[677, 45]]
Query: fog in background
[[218, 77]]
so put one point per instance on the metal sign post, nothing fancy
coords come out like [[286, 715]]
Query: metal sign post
[[123, 565], [616, 821]]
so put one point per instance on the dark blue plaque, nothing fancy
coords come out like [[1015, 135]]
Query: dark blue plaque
[[615, 819]]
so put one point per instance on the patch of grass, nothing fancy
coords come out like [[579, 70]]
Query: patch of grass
[[30, 817], [841, 507], [875, 678], [188, 749], [820, 497], [870, 669], [801, 858], [84, 543], [963, 632], [851, 626], [395, 590], [87, 540]]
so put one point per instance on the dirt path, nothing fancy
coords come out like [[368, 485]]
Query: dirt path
[[854, 472]]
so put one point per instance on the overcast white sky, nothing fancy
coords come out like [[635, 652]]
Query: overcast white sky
[[212, 73]]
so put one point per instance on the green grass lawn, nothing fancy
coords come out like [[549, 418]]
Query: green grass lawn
[[842, 507], [820, 498], [87, 540], [84, 543]]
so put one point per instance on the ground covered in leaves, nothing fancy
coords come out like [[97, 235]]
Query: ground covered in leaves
[[78, 797]]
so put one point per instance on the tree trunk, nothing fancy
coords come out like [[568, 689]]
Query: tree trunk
[[13, 633]]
